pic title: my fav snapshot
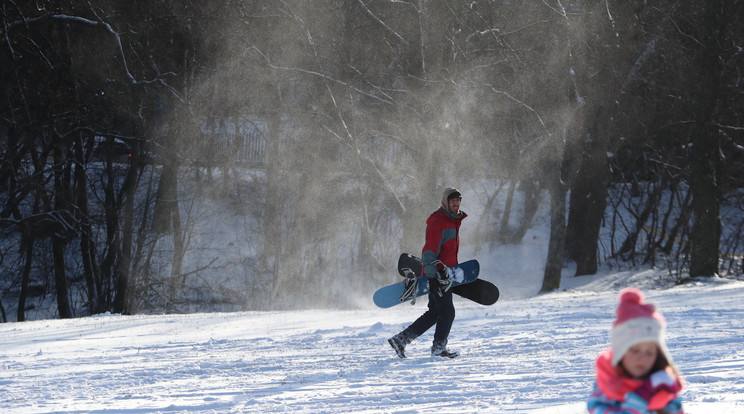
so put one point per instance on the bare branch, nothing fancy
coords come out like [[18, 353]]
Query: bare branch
[[320, 75], [83, 20], [110, 30], [517, 101], [364, 6]]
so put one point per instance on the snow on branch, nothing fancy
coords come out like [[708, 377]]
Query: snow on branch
[[731, 127]]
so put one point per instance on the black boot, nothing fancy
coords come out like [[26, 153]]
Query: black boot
[[399, 345], [439, 349]]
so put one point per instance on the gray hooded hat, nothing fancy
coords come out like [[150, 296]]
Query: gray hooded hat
[[449, 193]]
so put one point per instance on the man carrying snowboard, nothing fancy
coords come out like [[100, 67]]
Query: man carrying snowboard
[[439, 252]]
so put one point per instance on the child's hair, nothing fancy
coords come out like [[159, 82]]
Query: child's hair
[[661, 363]]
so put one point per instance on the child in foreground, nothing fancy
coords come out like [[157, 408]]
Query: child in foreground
[[636, 375]]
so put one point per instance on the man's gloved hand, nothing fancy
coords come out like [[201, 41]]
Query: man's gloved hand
[[444, 280]]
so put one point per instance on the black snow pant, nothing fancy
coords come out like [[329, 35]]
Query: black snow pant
[[441, 313]]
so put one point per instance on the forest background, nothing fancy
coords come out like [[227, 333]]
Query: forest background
[[316, 137]]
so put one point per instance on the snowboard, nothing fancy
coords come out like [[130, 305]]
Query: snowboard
[[394, 294], [479, 291]]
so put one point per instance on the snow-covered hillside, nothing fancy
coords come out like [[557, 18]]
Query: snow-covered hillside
[[528, 353], [521, 355]]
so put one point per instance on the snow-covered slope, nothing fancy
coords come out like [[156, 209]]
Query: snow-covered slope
[[521, 355]]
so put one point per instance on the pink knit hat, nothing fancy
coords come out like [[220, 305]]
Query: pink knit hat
[[637, 322]]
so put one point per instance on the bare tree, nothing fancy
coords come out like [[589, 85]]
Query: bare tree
[[711, 33]]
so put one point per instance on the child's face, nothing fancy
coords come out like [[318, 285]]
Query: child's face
[[639, 359]]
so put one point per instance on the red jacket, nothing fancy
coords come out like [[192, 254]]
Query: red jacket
[[442, 241], [615, 394]]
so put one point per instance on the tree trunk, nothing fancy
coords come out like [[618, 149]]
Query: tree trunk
[[706, 228], [559, 180], [529, 208], [554, 262], [179, 247], [272, 232], [27, 247], [123, 301], [58, 235], [87, 247], [60, 277], [504, 231], [165, 199], [588, 200]]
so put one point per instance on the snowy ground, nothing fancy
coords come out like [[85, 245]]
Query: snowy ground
[[528, 353], [532, 355]]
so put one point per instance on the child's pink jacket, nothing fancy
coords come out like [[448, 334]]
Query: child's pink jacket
[[621, 395]]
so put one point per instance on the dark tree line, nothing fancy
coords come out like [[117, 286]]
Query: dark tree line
[[663, 112], [118, 119]]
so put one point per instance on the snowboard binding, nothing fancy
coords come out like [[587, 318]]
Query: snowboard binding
[[409, 291], [411, 285]]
